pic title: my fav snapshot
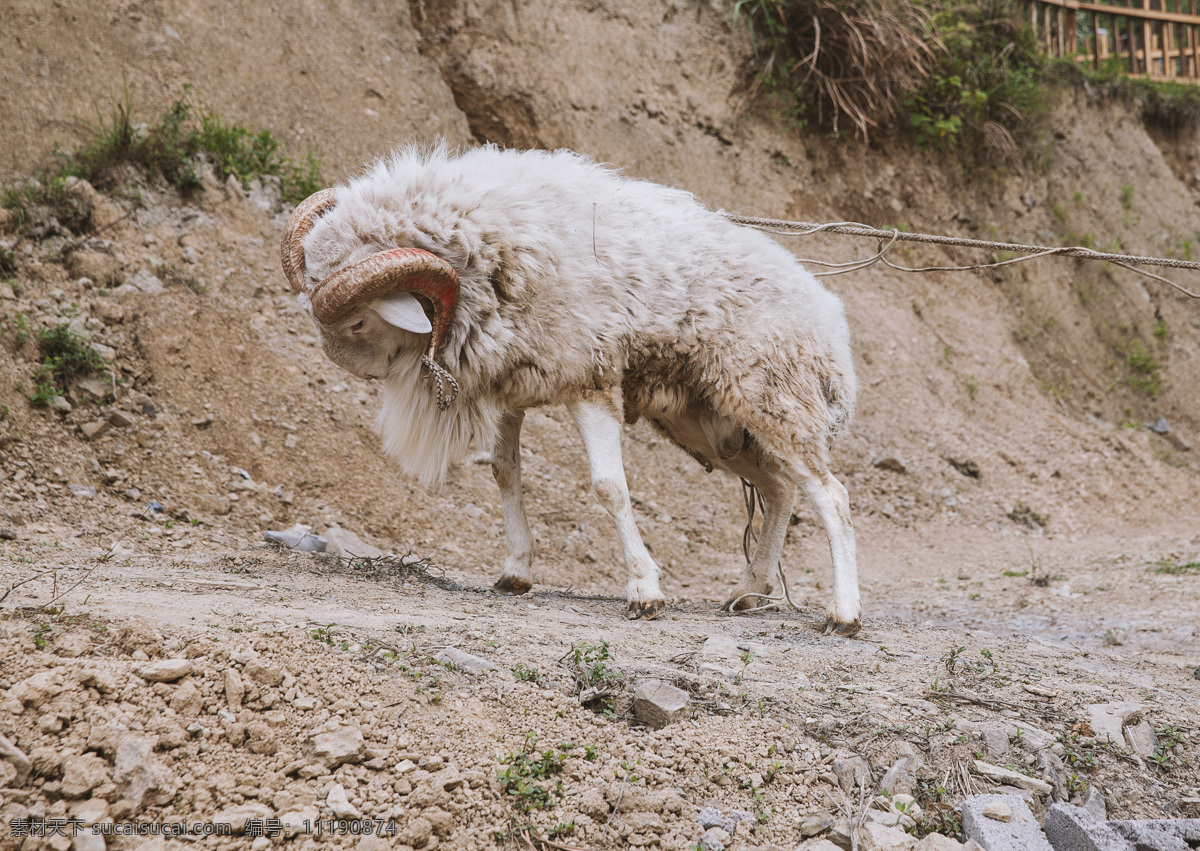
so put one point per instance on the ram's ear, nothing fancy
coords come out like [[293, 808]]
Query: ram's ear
[[404, 311]]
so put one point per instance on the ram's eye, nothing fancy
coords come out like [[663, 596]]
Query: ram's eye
[[356, 327]]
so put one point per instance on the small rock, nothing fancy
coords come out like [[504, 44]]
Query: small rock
[[8, 533], [464, 661], [714, 839], [340, 804], [72, 644], [1095, 804], [15, 757], [995, 740], [236, 817], [82, 491], [140, 776], [1109, 719], [656, 704], [345, 543], [213, 504], [264, 673], [164, 670], [60, 404], [997, 810], [147, 282], [99, 389], [187, 700], [82, 774], [416, 833], [1141, 738], [235, 689], [1014, 778], [119, 419], [335, 747], [884, 838], [300, 541], [889, 461], [938, 842], [96, 430], [204, 421], [851, 772], [1159, 426], [815, 825]]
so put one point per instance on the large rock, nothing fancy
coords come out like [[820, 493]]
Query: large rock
[[656, 704], [1020, 833], [140, 776]]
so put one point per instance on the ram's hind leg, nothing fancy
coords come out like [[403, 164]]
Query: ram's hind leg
[[506, 467], [778, 493], [599, 422]]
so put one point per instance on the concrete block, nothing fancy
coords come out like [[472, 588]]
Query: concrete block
[[1019, 833], [1071, 828], [1146, 833]]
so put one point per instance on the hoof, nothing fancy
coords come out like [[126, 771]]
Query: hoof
[[846, 630], [511, 585], [648, 610]]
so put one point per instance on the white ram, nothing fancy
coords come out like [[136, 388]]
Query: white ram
[[478, 286]]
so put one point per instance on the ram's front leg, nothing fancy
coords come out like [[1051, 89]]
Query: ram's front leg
[[598, 418], [506, 467]]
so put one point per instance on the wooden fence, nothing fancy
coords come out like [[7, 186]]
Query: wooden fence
[[1159, 39]]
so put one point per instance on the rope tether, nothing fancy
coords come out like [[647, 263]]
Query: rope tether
[[892, 235]]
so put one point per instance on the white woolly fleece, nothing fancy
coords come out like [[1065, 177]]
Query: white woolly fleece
[[574, 278]]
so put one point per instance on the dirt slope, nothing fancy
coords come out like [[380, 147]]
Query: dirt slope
[[1012, 406]]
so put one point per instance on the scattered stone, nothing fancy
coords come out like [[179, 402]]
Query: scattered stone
[[236, 817], [851, 772], [264, 673], [140, 776], [82, 774], [1095, 804], [1013, 778], [1020, 833], [995, 740], [212, 504], [95, 430], [464, 661], [345, 543], [299, 540], [938, 842], [884, 838], [1071, 828], [889, 461], [1141, 738], [656, 704], [1109, 719], [15, 757], [336, 746], [98, 388], [119, 419], [340, 804], [997, 810], [147, 282], [714, 839], [816, 824], [164, 670], [82, 491], [187, 700]]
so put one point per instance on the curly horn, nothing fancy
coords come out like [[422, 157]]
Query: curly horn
[[291, 249], [409, 269]]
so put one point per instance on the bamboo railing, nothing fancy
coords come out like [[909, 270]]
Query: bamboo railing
[[1159, 39]]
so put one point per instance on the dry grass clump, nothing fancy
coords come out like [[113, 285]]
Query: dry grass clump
[[859, 58]]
